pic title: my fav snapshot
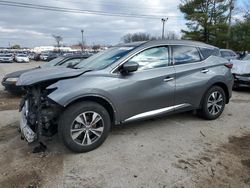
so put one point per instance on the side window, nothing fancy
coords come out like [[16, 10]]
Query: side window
[[71, 62], [152, 58], [185, 54]]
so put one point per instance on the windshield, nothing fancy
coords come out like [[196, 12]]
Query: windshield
[[52, 62], [105, 58], [247, 57]]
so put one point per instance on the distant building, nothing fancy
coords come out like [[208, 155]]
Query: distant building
[[40, 49]]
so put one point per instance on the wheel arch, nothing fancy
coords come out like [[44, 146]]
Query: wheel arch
[[100, 100], [223, 86]]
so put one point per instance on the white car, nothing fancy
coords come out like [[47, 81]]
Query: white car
[[6, 58], [22, 58]]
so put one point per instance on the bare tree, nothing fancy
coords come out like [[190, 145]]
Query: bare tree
[[96, 47], [171, 35], [58, 39], [136, 37], [145, 37]]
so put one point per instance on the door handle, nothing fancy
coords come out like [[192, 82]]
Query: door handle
[[167, 79], [204, 70]]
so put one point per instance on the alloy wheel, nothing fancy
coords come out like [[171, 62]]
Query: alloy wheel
[[215, 103], [87, 128]]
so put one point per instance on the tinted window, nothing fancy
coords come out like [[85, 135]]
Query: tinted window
[[152, 58], [185, 54], [206, 52]]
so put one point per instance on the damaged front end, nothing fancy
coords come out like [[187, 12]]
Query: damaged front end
[[39, 114]]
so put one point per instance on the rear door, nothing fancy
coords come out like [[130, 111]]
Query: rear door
[[149, 90], [192, 74]]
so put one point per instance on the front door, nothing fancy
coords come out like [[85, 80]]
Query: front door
[[149, 90]]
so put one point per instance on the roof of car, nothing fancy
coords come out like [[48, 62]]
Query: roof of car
[[167, 42]]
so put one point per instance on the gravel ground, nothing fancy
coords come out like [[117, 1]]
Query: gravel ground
[[175, 151]]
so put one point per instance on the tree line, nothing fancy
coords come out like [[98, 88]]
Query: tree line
[[212, 22]]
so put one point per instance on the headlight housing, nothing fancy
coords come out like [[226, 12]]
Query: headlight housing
[[11, 79]]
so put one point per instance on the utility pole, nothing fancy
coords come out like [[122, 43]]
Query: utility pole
[[82, 38], [163, 26], [231, 4]]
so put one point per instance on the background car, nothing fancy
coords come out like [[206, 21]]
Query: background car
[[21, 58], [44, 56], [6, 58], [241, 73], [228, 54], [9, 80], [53, 55]]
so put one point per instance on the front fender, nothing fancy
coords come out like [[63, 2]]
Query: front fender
[[70, 90]]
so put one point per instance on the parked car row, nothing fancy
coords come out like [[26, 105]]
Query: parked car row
[[10, 58], [9, 80], [50, 55]]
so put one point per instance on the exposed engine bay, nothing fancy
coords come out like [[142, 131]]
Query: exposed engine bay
[[39, 113]]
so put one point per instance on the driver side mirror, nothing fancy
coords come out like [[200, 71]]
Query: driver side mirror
[[130, 66]]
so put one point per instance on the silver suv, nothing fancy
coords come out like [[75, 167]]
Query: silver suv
[[124, 83]]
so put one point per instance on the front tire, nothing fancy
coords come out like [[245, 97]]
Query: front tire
[[84, 126], [213, 103]]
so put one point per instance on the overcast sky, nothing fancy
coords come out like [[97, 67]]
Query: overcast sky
[[30, 27]]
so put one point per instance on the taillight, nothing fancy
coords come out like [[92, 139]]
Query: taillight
[[229, 65]]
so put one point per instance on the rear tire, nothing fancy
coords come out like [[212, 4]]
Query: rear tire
[[213, 103], [84, 126]]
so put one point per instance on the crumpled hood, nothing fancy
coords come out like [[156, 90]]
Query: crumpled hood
[[46, 74], [241, 67]]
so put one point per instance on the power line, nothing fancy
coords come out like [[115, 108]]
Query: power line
[[113, 4], [70, 10]]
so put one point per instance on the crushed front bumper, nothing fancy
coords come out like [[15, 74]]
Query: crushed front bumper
[[26, 131]]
